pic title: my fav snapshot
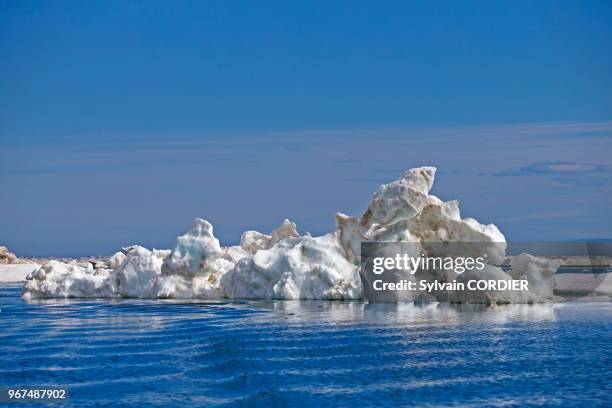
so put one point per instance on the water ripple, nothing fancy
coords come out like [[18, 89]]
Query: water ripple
[[193, 353]]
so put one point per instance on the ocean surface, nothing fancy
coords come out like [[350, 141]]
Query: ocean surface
[[306, 354]]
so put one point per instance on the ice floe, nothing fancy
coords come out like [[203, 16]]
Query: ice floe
[[57, 279], [286, 265]]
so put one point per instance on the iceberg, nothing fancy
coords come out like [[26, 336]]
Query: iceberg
[[286, 265], [253, 241]]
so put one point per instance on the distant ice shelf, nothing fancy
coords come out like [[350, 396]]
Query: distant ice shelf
[[16, 272]]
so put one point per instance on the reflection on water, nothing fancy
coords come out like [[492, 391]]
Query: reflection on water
[[407, 313], [307, 353]]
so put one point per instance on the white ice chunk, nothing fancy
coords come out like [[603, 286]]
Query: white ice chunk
[[253, 241], [296, 268], [57, 279], [192, 250], [203, 285], [539, 272], [117, 259], [136, 275], [491, 297], [286, 230], [440, 222], [401, 199], [350, 235]]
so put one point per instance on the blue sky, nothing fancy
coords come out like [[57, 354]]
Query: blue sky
[[120, 122]]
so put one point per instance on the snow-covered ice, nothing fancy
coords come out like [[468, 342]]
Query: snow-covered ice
[[286, 265], [66, 280], [295, 268]]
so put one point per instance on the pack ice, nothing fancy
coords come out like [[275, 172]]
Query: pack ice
[[287, 265]]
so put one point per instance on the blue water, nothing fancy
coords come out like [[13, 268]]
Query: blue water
[[164, 353]]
